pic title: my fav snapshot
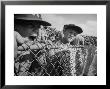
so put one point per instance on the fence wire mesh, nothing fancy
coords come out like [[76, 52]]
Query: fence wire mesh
[[73, 61]]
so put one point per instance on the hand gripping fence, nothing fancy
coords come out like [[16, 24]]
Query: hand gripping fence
[[72, 61]]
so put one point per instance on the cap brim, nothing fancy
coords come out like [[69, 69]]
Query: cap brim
[[79, 31], [74, 28], [41, 22], [44, 23]]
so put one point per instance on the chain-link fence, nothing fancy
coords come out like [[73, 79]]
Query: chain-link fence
[[73, 61]]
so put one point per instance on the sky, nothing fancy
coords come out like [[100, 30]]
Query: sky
[[88, 22]]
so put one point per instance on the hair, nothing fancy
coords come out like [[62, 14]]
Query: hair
[[19, 26], [72, 27]]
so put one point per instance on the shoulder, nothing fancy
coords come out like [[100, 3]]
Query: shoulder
[[16, 33]]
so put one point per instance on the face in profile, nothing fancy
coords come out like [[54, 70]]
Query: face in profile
[[31, 32], [32, 29], [26, 29]]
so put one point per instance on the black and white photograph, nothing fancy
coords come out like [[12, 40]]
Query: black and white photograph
[[55, 44], [46, 43]]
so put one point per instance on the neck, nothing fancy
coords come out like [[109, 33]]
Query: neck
[[65, 40]]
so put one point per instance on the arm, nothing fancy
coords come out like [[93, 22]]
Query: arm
[[19, 38]]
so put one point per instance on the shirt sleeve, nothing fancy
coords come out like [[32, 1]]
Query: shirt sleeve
[[19, 38]]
